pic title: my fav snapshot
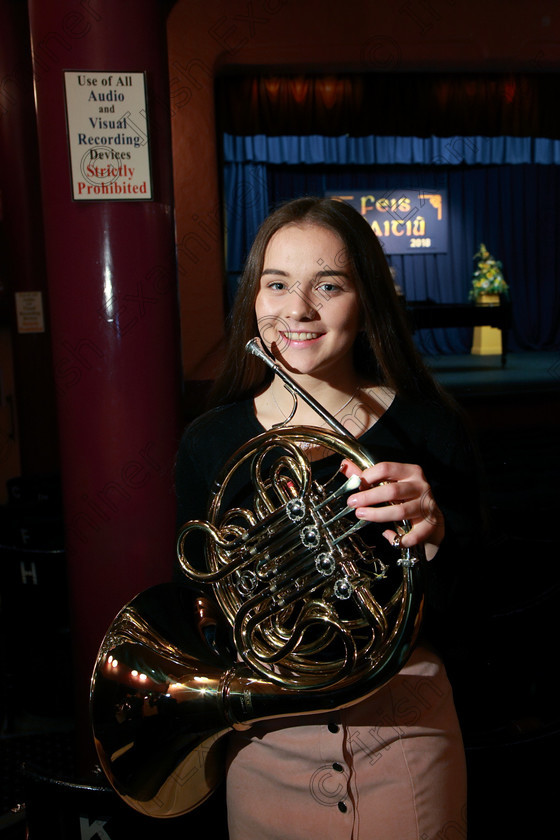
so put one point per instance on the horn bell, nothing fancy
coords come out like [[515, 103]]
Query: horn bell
[[155, 701]]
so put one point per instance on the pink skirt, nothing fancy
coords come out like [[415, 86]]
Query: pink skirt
[[391, 767]]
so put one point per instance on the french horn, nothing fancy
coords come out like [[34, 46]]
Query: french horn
[[288, 611]]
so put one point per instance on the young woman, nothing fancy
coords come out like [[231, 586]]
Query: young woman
[[318, 291]]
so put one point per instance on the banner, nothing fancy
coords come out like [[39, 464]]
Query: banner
[[406, 221], [108, 136]]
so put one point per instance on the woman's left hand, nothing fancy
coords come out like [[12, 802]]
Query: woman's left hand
[[392, 492]]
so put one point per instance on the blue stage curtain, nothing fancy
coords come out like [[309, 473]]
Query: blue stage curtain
[[509, 202], [246, 206]]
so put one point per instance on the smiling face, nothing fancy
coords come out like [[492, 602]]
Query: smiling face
[[307, 306]]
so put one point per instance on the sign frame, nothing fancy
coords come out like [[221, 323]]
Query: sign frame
[[108, 135], [405, 220]]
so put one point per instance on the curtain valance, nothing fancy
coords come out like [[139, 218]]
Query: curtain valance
[[390, 151]]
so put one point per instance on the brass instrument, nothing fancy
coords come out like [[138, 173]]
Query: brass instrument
[[291, 613]]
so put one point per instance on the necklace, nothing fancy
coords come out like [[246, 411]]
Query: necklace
[[309, 444]]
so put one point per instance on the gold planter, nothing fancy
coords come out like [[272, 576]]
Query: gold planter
[[487, 341]]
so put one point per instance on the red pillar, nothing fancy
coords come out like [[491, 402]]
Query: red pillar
[[24, 257], [115, 326]]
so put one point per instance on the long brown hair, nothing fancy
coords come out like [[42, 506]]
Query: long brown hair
[[384, 351]]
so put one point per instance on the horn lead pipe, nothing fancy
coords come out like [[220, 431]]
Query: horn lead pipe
[[255, 347]]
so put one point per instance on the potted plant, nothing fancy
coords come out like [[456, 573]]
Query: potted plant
[[487, 281]]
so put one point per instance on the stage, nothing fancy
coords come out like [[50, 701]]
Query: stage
[[523, 394], [469, 376]]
